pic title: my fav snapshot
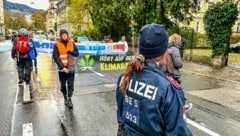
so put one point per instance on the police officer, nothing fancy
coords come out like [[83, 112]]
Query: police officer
[[62, 51], [148, 104]]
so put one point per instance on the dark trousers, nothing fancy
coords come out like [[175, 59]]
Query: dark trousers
[[24, 70], [69, 80], [35, 63]]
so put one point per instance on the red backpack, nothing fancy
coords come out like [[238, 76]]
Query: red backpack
[[22, 45]]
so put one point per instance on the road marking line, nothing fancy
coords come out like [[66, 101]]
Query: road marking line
[[27, 129], [109, 85], [210, 132], [26, 93], [14, 110], [101, 75], [233, 122]]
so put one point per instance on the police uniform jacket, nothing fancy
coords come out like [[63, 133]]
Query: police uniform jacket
[[152, 106]]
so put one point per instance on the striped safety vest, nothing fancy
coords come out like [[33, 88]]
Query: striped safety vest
[[62, 50]]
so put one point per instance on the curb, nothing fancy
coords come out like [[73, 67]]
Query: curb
[[218, 78]]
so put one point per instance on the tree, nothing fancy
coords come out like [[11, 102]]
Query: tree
[[77, 13], [14, 21], [7, 21], [111, 17], [19, 22], [165, 12], [38, 20], [115, 17], [218, 21]]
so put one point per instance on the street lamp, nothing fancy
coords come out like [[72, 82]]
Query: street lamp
[[132, 27]]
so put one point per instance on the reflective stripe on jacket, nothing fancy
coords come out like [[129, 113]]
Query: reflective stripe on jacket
[[62, 50]]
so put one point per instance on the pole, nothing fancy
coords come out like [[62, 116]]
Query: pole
[[133, 42], [191, 46]]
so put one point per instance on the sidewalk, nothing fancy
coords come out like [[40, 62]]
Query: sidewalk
[[228, 96], [230, 72]]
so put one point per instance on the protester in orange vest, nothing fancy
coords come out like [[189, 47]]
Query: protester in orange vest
[[64, 52], [109, 39]]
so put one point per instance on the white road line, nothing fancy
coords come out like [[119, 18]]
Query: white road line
[[14, 110], [27, 129], [210, 132], [101, 75], [26, 93]]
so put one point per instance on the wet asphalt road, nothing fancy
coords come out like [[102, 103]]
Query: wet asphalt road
[[94, 112], [7, 93]]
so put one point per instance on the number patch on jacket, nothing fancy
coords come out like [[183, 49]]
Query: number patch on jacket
[[132, 110]]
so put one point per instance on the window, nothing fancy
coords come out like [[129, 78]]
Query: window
[[238, 27], [238, 7], [52, 5], [197, 27], [199, 5], [211, 2]]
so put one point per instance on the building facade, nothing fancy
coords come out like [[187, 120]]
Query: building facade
[[62, 21], [2, 28], [198, 25], [51, 18]]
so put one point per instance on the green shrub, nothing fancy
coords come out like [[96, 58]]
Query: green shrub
[[218, 22]]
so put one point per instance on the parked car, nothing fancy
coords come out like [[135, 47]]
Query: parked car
[[82, 39], [234, 47]]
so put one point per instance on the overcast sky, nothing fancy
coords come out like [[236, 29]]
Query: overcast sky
[[37, 4]]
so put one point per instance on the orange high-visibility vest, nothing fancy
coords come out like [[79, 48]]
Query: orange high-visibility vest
[[62, 50]]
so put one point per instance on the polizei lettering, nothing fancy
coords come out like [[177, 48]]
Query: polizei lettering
[[143, 89]]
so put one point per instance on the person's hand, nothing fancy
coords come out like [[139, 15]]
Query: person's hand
[[121, 130], [69, 52], [65, 70]]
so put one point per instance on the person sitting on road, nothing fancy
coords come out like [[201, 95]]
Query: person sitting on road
[[173, 49], [63, 52], [148, 104]]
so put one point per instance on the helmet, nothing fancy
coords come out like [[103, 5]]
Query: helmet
[[23, 31]]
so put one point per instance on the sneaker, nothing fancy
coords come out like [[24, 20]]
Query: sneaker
[[187, 107], [70, 104], [121, 130], [20, 83]]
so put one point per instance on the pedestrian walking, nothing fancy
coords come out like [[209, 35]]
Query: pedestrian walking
[[20, 50], [64, 52], [173, 49], [109, 39], [32, 52], [148, 104]]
